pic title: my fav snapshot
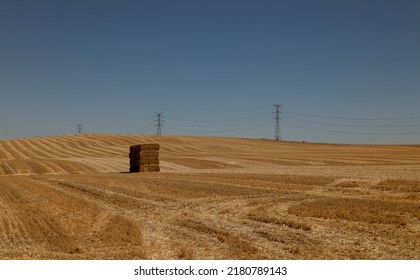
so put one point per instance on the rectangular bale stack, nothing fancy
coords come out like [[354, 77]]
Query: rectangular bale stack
[[144, 158]]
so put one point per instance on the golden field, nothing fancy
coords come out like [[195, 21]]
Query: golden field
[[71, 197]]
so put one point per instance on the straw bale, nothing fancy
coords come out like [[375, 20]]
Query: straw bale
[[146, 153], [144, 158], [152, 147], [144, 147], [135, 153], [149, 154], [154, 161], [151, 161], [149, 168]]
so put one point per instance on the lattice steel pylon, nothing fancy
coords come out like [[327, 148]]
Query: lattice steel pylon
[[159, 123], [277, 111]]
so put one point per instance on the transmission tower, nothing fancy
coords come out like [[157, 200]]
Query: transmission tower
[[277, 111], [79, 128], [159, 123]]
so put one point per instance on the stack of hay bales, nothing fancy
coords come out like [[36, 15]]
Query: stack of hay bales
[[144, 158]]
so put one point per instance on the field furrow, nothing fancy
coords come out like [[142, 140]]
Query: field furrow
[[75, 147], [4, 153], [37, 150], [49, 148], [12, 150], [59, 147]]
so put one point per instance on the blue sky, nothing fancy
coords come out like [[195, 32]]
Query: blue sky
[[344, 71]]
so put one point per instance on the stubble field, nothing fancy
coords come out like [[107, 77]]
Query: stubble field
[[71, 197]]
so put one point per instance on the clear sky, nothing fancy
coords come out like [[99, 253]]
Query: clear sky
[[344, 71]]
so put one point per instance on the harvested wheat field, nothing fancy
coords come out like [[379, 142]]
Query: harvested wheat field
[[72, 197]]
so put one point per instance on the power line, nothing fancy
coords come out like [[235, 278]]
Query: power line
[[240, 118], [297, 120], [256, 123], [361, 126], [354, 119], [236, 123], [259, 125], [143, 127], [215, 126], [349, 132]]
